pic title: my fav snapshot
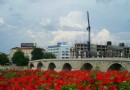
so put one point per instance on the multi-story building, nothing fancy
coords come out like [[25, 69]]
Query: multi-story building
[[80, 50], [61, 50], [101, 50], [115, 51], [127, 52], [93, 50], [26, 48]]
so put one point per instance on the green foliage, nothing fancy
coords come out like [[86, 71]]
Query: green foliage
[[4, 70], [124, 86], [19, 59], [69, 87], [41, 88], [93, 75], [11, 75], [3, 59], [86, 83], [48, 55], [37, 53], [97, 68], [25, 62]]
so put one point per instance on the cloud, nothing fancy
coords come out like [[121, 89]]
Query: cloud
[[45, 22], [48, 21], [42, 24], [16, 19], [4, 26], [42, 38], [103, 34], [102, 37], [73, 19], [17, 15], [1, 21], [30, 34], [68, 29], [68, 36], [39, 32]]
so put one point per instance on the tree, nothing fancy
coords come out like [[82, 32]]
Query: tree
[[37, 53], [48, 55], [3, 59], [19, 59]]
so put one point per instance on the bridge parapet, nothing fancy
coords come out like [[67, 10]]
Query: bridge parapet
[[84, 59]]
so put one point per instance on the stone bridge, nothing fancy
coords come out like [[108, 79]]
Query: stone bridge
[[104, 64]]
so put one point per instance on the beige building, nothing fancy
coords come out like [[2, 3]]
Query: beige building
[[26, 48]]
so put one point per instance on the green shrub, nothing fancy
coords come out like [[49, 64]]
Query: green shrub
[[11, 75]]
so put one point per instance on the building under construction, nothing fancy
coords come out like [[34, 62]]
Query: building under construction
[[80, 50]]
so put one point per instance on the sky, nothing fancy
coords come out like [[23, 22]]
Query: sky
[[47, 22]]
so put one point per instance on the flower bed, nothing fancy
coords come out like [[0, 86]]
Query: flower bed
[[64, 80]]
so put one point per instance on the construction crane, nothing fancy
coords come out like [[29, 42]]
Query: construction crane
[[88, 28]]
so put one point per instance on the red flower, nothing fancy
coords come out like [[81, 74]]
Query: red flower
[[112, 88], [82, 80], [57, 87]]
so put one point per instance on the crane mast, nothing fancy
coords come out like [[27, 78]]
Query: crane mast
[[88, 28]]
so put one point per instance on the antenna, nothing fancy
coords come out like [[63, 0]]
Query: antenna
[[88, 28]]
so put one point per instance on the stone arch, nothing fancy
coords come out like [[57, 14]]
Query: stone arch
[[31, 66], [86, 66], [51, 66], [116, 66], [67, 66], [39, 65]]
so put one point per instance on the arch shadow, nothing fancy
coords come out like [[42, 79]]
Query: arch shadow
[[116, 66], [86, 66], [51, 66], [31, 66], [39, 65], [67, 66]]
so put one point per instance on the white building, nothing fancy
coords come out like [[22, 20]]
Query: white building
[[61, 50]]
